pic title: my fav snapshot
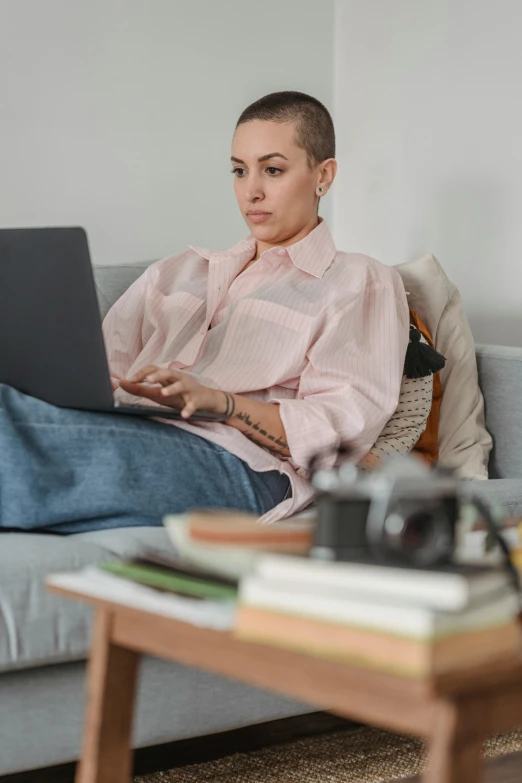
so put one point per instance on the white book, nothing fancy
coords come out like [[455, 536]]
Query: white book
[[90, 581], [418, 622], [449, 588]]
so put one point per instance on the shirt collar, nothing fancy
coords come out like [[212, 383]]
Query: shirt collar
[[245, 247], [313, 254]]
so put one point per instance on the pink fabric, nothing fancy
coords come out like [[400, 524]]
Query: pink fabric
[[320, 332]]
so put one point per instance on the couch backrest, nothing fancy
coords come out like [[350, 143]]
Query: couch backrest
[[500, 378], [499, 368], [113, 281]]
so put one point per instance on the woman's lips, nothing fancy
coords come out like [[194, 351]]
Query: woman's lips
[[258, 217]]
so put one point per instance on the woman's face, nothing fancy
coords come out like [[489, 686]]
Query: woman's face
[[276, 189]]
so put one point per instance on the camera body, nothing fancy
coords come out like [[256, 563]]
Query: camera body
[[403, 513]]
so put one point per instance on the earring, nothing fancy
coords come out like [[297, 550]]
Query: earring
[[320, 190]]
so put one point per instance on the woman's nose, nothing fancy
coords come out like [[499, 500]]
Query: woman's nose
[[254, 188]]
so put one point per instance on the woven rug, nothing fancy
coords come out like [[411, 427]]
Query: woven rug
[[363, 755]]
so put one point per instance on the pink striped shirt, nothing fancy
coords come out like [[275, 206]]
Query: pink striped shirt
[[320, 332]]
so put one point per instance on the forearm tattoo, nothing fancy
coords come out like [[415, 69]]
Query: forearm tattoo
[[277, 444]]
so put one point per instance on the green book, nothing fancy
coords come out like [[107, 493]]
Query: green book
[[181, 584]]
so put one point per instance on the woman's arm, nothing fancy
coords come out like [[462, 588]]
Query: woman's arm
[[259, 421]]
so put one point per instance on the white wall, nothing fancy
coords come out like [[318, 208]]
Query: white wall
[[118, 114], [428, 109]]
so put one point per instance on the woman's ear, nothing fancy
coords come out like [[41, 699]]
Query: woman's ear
[[327, 172]]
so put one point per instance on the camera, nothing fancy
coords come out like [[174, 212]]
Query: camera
[[404, 512]]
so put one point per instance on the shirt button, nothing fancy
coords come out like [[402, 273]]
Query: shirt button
[[281, 252]]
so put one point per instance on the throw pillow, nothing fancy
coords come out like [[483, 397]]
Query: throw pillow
[[427, 446], [405, 427], [464, 443], [415, 415]]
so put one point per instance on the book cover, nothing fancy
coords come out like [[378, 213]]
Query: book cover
[[234, 528], [180, 583], [448, 587]]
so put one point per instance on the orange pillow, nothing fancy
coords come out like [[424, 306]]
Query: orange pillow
[[427, 447]]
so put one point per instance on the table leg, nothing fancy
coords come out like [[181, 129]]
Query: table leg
[[456, 743], [111, 686]]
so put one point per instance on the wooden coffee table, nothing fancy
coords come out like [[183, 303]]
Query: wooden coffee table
[[455, 712]]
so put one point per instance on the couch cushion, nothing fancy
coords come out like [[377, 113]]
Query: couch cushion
[[464, 443], [504, 492], [37, 627]]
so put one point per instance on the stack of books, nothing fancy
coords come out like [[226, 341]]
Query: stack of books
[[227, 571], [229, 542], [415, 623], [163, 584], [170, 575], [197, 581]]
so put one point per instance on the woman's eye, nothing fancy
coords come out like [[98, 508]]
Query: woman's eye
[[238, 171], [273, 171]]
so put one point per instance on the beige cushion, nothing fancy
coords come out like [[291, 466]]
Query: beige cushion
[[464, 443]]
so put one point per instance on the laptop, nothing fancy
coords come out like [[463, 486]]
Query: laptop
[[51, 340]]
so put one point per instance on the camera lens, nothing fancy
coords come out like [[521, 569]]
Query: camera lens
[[417, 530], [421, 535]]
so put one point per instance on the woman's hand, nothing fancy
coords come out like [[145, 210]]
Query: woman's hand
[[175, 389]]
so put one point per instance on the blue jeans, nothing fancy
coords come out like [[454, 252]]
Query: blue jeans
[[68, 471]]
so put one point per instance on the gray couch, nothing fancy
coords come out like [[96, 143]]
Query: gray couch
[[44, 639]]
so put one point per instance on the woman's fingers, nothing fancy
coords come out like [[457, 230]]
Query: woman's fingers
[[189, 409], [142, 374], [178, 390], [152, 393], [174, 388], [153, 374], [162, 376]]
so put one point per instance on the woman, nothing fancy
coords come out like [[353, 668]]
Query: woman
[[302, 346]]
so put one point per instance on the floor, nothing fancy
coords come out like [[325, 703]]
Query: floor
[[507, 769]]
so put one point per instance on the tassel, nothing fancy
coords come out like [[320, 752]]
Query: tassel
[[421, 359]]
